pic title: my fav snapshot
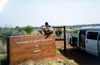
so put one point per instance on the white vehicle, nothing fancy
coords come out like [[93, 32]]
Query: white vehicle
[[87, 39]]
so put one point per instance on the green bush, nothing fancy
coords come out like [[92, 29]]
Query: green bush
[[28, 29]]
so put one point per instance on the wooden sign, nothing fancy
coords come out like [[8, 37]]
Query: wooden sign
[[23, 48]]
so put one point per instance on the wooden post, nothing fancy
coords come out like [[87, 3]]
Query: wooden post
[[8, 51], [64, 38]]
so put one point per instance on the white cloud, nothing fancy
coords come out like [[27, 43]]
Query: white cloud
[[2, 4]]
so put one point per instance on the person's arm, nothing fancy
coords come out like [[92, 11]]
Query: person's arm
[[44, 29]]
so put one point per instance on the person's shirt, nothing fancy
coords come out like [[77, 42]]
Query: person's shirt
[[83, 36], [48, 28]]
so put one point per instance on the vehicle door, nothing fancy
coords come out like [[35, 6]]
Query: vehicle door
[[91, 42]]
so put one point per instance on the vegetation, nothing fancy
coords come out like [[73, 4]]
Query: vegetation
[[8, 31], [28, 29], [5, 32], [19, 28], [58, 51], [3, 56]]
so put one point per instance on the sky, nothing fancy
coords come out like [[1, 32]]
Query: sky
[[56, 12]]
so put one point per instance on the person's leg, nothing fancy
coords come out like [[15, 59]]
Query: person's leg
[[45, 31], [40, 31], [49, 32]]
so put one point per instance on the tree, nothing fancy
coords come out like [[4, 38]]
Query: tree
[[4, 33], [19, 28], [28, 29]]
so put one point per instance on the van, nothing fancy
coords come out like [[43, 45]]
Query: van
[[87, 39]]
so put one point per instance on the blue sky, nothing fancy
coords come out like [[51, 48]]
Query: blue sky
[[56, 12]]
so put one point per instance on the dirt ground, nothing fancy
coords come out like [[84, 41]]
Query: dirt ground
[[79, 56]]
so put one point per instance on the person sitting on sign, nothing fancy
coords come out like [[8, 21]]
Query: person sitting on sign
[[47, 29]]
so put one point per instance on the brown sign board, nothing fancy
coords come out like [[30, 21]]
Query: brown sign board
[[23, 48]]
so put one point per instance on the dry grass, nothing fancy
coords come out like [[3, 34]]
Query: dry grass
[[32, 33], [3, 51], [3, 56], [50, 62], [58, 51]]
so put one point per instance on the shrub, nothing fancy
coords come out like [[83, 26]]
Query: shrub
[[28, 29]]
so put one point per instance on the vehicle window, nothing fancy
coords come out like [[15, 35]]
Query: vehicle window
[[92, 35]]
